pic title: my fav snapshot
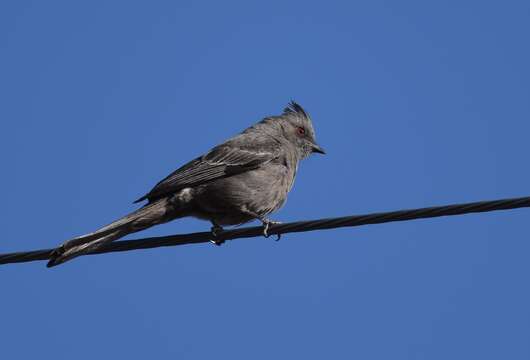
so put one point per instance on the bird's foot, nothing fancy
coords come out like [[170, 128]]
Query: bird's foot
[[266, 225], [216, 231]]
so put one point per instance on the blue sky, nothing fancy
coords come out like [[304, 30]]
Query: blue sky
[[417, 103]]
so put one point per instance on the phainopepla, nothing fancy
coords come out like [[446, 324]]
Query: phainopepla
[[245, 178]]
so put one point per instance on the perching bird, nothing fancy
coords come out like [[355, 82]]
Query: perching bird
[[245, 178]]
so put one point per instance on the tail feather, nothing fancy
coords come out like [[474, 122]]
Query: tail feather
[[60, 255], [143, 218]]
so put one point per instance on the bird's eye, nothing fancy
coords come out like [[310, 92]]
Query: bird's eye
[[301, 131]]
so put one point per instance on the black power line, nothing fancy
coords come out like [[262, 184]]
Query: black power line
[[299, 226]]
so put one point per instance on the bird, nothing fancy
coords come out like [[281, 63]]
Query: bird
[[245, 178]]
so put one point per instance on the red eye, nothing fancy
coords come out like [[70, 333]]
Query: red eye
[[301, 131]]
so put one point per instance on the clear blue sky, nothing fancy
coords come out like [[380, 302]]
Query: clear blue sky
[[417, 103]]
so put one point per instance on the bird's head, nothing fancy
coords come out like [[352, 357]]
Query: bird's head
[[298, 129]]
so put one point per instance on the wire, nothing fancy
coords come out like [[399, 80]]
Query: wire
[[299, 226]]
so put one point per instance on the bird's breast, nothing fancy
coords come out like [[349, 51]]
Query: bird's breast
[[260, 191]]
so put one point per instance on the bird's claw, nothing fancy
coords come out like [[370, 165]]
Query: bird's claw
[[216, 231], [266, 224]]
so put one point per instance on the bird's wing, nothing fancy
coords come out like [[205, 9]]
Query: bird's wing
[[228, 159]]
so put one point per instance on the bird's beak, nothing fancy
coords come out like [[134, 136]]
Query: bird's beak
[[318, 149]]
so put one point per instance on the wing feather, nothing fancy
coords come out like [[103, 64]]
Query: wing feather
[[222, 161]]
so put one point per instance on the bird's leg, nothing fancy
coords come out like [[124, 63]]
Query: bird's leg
[[216, 231], [266, 224]]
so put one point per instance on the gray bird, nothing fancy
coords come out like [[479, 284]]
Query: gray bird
[[245, 178]]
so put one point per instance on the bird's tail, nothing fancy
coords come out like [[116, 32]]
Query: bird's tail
[[143, 218]]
